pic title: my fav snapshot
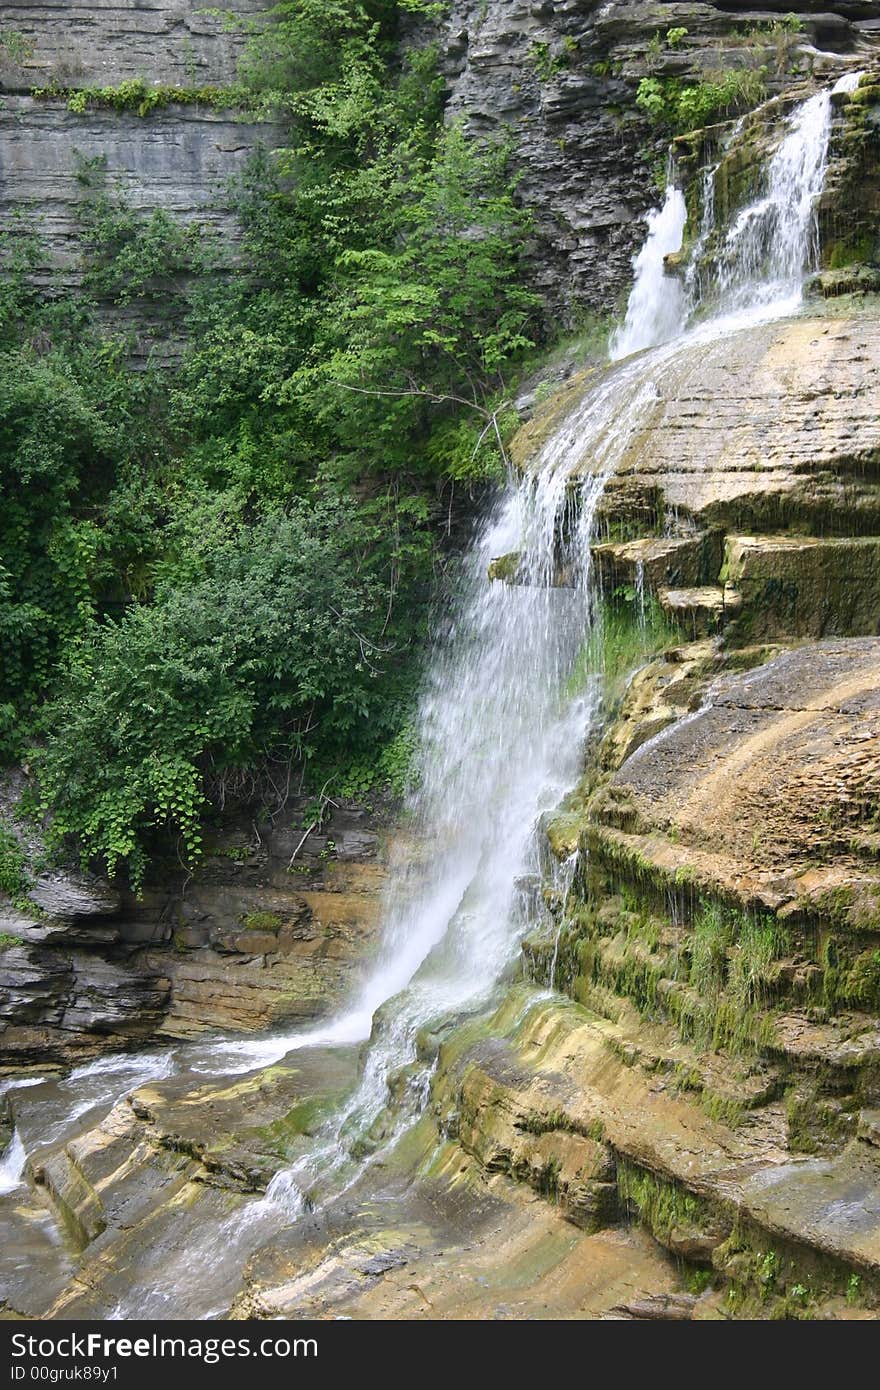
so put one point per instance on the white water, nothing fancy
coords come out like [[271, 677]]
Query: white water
[[503, 720], [12, 1164], [657, 304], [759, 269], [501, 740], [774, 241]]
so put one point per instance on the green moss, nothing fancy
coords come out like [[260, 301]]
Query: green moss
[[715, 985], [7, 940], [850, 981], [855, 252], [143, 98], [623, 637], [817, 1124], [261, 921], [725, 1110], [719, 1023], [859, 985], [760, 941], [659, 1204], [779, 1282], [549, 1123], [304, 1119], [698, 1281], [711, 938], [505, 568]]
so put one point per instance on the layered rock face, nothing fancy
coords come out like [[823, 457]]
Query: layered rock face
[[789, 437], [708, 1059], [270, 931], [179, 158], [179, 42], [561, 80], [717, 1072]]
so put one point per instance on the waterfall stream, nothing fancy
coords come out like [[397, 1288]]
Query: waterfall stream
[[506, 707]]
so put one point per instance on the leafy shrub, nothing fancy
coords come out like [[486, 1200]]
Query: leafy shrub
[[276, 644], [14, 880], [225, 563], [683, 106]]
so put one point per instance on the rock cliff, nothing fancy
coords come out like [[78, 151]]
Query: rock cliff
[[269, 932], [561, 80], [180, 158]]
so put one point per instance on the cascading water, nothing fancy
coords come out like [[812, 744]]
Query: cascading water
[[12, 1164], [657, 304], [758, 270], [501, 735], [774, 241], [562, 882], [506, 708]]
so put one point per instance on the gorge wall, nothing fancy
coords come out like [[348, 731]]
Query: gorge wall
[[559, 81], [269, 931], [180, 157]]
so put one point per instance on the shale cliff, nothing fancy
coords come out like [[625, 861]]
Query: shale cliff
[[181, 157]]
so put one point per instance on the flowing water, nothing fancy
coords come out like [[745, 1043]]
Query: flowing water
[[562, 877], [508, 702], [657, 304]]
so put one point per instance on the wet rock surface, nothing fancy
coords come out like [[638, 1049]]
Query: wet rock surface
[[699, 1148], [714, 1074], [767, 781], [771, 426], [270, 930], [166, 1178]]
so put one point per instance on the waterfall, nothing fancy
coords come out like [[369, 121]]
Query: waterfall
[[771, 244], [774, 241], [656, 308], [508, 701], [501, 732], [501, 726], [562, 877], [12, 1164]]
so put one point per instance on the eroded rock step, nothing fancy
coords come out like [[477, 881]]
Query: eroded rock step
[[610, 1118], [268, 932]]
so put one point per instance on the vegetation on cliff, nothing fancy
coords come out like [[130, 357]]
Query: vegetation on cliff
[[223, 564]]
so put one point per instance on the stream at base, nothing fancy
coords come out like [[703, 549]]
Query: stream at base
[[509, 701]]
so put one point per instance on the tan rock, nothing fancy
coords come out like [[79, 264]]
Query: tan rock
[[763, 428]]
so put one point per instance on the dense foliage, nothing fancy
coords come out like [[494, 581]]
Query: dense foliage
[[759, 52], [219, 561]]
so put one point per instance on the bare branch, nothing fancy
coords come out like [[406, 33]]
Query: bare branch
[[435, 397]]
